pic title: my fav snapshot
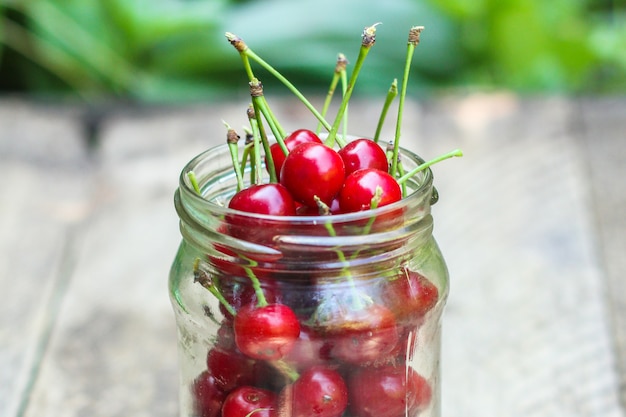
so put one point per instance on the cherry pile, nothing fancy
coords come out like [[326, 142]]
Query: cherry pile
[[302, 341]]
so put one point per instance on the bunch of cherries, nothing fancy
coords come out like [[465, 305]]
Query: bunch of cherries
[[310, 346]]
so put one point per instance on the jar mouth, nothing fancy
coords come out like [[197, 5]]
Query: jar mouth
[[216, 179]]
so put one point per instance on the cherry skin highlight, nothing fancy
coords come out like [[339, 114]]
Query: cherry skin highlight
[[268, 332], [313, 170], [294, 139], [360, 188], [363, 153]]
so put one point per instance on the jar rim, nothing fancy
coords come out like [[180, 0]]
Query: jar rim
[[421, 189]]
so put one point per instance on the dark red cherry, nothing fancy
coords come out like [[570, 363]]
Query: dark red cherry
[[363, 336], [363, 153], [319, 392], [410, 295], [267, 332], [230, 368], [388, 391], [309, 350], [360, 187], [240, 293], [313, 169], [207, 396], [294, 139], [249, 401]]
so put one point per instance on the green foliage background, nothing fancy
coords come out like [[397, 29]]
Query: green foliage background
[[175, 50]]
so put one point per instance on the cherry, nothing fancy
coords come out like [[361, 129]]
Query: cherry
[[294, 139], [272, 199], [360, 188], [365, 335], [387, 391], [319, 392], [313, 169], [230, 368], [240, 293], [268, 332], [410, 295], [363, 153], [248, 401], [310, 349], [207, 396]]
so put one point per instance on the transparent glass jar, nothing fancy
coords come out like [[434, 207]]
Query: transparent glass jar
[[367, 290]]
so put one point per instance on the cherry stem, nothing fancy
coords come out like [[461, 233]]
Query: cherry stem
[[232, 138], [378, 193], [261, 107], [203, 278], [256, 284], [244, 50], [339, 73], [247, 150], [258, 135], [413, 41], [344, 88], [411, 173], [391, 95], [194, 182], [368, 40], [285, 369]]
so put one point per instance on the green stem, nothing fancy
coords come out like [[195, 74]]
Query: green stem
[[451, 154], [260, 136], [258, 131], [194, 182], [391, 95], [243, 49], [369, 38], [203, 278], [340, 68], [256, 284], [261, 108], [414, 36], [232, 138], [344, 88]]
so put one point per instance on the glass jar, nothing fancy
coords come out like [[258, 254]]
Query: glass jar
[[306, 315]]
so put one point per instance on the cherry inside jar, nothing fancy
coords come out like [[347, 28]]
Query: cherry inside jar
[[308, 315]]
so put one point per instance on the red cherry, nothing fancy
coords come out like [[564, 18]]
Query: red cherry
[[310, 349], [410, 296], [313, 169], [388, 391], [240, 294], [363, 153], [294, 139], [207, 396], [267, 332], [364, 336], [271, 199], [230, 368], [247, 401], [360, 187], [319, 392]]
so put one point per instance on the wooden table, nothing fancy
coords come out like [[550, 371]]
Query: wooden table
[[531, 220]]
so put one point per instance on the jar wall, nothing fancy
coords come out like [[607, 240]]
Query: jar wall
[[368, 300]]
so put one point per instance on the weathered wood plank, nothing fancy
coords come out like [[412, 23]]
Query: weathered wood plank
[[526, 331], [114, 349], [603, 131], [44, 195]]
